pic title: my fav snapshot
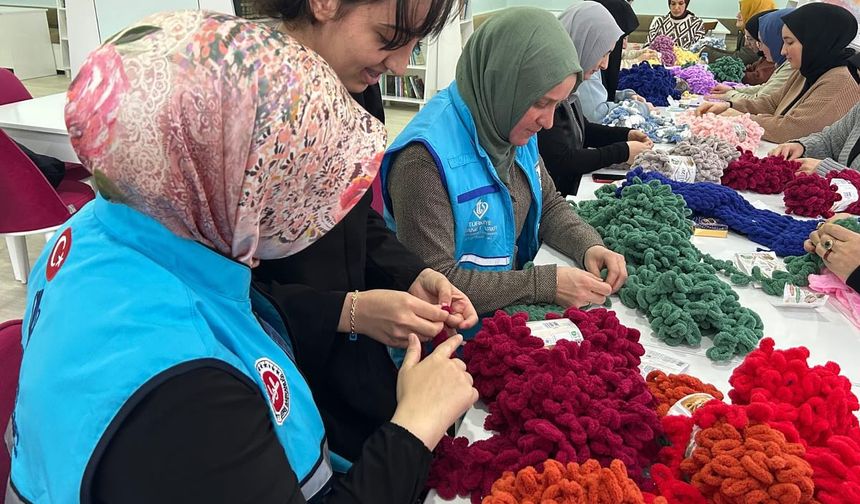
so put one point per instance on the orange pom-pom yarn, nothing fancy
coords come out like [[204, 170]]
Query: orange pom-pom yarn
[[568, 484], [668, 389], [750, 464]]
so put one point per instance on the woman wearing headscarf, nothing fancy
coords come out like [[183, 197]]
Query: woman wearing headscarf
[[464, 184], [152, 370], [680, 24], [358, 289], [602, 86], [770, 42], [747, 24], [816, 38], [836, 147], [574, 145]]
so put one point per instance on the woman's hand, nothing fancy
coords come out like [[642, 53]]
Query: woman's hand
[[808, 165], [790, 150], [390, 316], [636, 148], [435, 288], [432, 394], [599, 257], [720, 89], [838, 246], [636, 135], [578, 288], [712, 108]]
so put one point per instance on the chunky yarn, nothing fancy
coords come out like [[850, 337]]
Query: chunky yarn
[[660, 129], [654, 83], [669, 389], [768, 175], [780, 233], [536, 311], [684, 57], [563, 483], [740, 131], [681, 296], [836, 470], [816, 400], [728, 68], [571, 403], [812, 195], [710, 155], [698, 77], [665, 45]]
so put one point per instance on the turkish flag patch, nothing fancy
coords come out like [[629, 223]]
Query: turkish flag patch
[[59, 254]]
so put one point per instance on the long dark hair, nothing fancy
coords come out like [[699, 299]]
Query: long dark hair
[[292, 11]]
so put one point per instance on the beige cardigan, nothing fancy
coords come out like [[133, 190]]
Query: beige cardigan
[[830, 98]]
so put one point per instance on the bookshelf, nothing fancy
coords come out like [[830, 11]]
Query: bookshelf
[[433, 63]]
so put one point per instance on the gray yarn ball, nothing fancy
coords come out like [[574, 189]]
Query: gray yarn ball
[[711, 156]]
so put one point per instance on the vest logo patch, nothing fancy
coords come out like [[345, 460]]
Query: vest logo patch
[[59, 254], [481, 208], [275, 383]]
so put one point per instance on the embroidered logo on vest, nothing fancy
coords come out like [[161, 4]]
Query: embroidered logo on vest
[[275, 383], [481, 208], [59, 254]]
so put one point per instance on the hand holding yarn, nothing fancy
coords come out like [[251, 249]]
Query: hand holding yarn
[[434, 392], [635, 148], [838, 246], [712, 108], [636, 135], [790, 150], [808, 165], [390, 316], [599, 258], [577, 288], [435, 288]]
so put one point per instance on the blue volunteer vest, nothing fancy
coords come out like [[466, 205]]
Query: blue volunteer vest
[[118, 304], [485, 234]]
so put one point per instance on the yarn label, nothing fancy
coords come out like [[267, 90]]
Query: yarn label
[[848, 192], [659, 361], [798, 297], [685, 407], [553, 331], [741, 132], [682, 169]]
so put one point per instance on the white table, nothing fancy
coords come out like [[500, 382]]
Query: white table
[[825, 331], [40, 125], [25, 44]]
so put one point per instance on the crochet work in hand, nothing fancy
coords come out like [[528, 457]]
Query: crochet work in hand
[[571, 403], [572, 483], [654, 83], [780, 233], [682, 297], [813, 195], [710, 154], [740, 131], [660, 129], [768, 175]]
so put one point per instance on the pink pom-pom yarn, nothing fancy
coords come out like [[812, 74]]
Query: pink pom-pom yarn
[[740, 131]]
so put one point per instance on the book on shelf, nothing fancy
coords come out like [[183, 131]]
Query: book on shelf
[[407, 86], [417, 56], [248, 9]]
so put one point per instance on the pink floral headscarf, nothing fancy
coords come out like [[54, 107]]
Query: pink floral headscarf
[[225, 131]]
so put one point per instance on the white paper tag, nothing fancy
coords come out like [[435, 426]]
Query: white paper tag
[[553, 331], [848, 192], [798, 297], [767, 262], [682, 168], [740, 131], [654, 360]]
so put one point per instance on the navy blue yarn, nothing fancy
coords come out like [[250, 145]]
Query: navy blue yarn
[[780, 233], [654, 83]]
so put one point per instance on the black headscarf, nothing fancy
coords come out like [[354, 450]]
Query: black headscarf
[[686, 11], [753, 23], [825, 31], [626, 19]]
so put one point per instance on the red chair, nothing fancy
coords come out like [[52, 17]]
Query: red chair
[[12, 91], [10, 366], [29, 205]]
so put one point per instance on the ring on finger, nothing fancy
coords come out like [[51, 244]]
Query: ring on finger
[[827, 254], [827, 244]]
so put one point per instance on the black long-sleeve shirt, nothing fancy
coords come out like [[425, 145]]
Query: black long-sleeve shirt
[[353, 382], [205, 436], [574, 146]]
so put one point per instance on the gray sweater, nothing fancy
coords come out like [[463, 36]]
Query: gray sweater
[[425, 224], [834, 143]]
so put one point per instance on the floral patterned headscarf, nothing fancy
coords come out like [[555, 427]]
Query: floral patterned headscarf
[[225, 131]]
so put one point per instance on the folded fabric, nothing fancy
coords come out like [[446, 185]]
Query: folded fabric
[[846, 299]]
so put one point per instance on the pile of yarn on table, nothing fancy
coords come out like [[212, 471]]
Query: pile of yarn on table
[[740, 131], [681, 295], [709, 154], [654, 83], [665, 45], [698, 77], [659, 128]]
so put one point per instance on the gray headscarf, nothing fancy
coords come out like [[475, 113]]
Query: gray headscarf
[[593, 30]]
